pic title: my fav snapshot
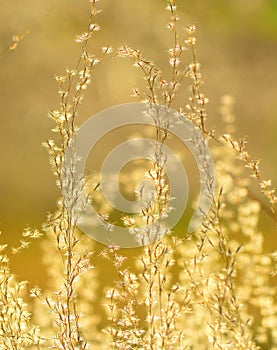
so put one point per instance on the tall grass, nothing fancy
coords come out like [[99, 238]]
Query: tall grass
[[212, 289]]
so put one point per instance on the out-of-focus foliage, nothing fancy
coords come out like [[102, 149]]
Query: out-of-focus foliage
[[237, 48]]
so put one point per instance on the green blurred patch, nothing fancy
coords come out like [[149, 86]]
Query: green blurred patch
[[266, 22], [271, 14]]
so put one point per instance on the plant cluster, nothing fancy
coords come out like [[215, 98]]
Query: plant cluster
[[212, 289]]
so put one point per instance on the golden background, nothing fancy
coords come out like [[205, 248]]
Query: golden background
[[237, 47]]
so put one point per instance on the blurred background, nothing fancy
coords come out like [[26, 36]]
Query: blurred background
[[237, 47]]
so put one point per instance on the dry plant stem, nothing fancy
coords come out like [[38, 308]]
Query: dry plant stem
[[64, 224], [196, 108], [154, 278], [174, 59], [152, 274], [239, 148], [197, 115], [16, 329], [254, 165], [222, 305], [252, 195], [123, 303], [263, 205]]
